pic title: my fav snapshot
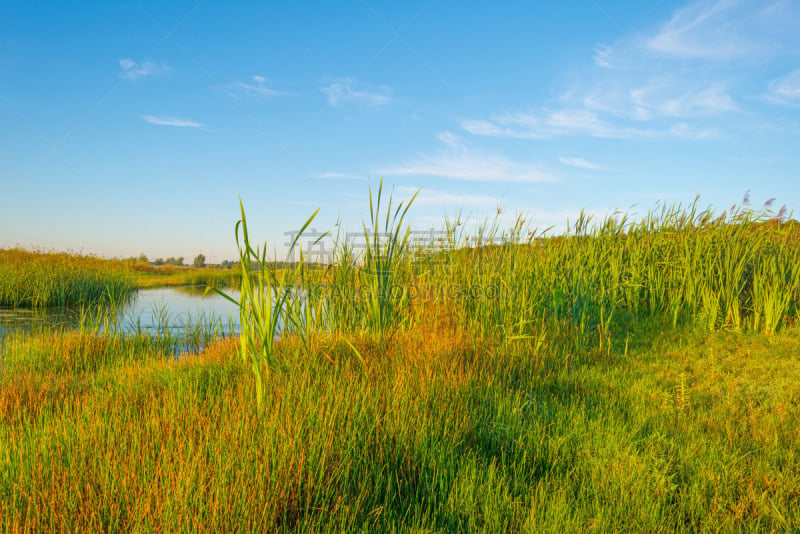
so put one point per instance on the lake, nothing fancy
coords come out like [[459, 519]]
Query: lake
[[150, 310]]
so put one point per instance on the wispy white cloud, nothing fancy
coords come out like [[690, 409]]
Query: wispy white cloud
[[561, 122], [704, 30], [606, 120], [434, 197], [678, 79], [582, 164], [655, 101], [171, 121], [347, 90], [659, 97], [257, 87], [450, 139], [687, 131], [341, 176], [603, 56], [458, 162], [132, 70], [706, 35], [724, 30], [785, 90], [470, 167], [651, 98]]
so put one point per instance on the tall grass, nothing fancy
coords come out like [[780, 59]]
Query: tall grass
[[42, 280], [263, 303], [734, 271], [168, 275], [633, 375], [384, 254], [340, 294], [434, 431], [737, 270]]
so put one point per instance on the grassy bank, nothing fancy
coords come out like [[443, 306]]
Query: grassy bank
[[434, 429], [41, 280], [739, 270], [624, 377], [36, 279], [149, 276]]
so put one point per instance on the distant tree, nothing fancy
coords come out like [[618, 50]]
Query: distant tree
[[179, 261], [142, 258], [159, 261], [199, 261]]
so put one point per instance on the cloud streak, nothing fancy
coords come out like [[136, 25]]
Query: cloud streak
[[131, 70], [456, 161], [257, 87], [470, 165], [683, 130], [785, 90], [346, 90], [546, 125], [727, 30], [700, 30], [340, 176], [171, 121], [690, 78], [434, 197], [581, 163]]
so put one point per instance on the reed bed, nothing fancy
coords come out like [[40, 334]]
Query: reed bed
[[632, 375], [149, 276], [42, 280], [739, 270]]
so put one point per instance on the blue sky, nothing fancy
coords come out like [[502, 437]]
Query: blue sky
[[130, 127]]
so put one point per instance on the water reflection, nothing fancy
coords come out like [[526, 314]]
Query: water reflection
[[177, 308], [25, 319], [149, 311]]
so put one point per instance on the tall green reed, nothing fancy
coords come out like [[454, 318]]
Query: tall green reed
[[42, 280], [305, 311], [263, 302], [342, 312], [384, 257], [681, 263]]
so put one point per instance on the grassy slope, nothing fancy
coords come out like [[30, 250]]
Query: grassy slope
[[687, 431], [643, 381]]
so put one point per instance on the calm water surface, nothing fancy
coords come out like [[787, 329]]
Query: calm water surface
[[149, 311]]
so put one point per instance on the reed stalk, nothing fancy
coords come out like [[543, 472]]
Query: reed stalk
[[263, 303]]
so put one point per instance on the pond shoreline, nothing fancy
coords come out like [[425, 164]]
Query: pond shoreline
[[152, 309]]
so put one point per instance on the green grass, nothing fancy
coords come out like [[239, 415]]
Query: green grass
[[626, 377], [42, 280], [148, 276], [434, 430]]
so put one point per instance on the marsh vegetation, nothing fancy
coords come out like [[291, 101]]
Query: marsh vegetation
[[633, 374]]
